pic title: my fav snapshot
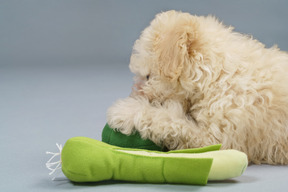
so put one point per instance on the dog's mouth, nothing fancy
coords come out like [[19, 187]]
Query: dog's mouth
[[136, 91], [139, 82]]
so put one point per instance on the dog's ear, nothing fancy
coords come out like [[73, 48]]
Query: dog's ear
[[174, 50]]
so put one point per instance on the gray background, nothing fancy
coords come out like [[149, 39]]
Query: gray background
[[63, 63]]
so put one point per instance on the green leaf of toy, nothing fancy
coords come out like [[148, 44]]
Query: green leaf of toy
[[128, 141]]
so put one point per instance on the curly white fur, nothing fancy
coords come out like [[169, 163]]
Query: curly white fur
[[206, 84]]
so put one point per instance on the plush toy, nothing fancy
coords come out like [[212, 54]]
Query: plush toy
[[88, 160]]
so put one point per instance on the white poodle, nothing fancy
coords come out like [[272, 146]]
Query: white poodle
[[200, 83]]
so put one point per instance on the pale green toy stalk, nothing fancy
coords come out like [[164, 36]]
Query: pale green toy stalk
[[88, 160]]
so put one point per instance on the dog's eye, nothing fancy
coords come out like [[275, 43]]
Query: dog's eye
[[147, 77]]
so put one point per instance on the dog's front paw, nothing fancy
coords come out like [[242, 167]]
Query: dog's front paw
[[120, 116]]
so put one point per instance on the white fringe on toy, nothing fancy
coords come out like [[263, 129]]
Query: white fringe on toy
[[56, 165]]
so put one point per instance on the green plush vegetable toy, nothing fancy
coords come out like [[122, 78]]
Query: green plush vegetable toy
[[88, 160]]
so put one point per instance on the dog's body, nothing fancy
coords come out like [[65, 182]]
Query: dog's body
[[199, 83]]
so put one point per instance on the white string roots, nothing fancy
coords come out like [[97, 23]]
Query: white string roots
[[56, 165]]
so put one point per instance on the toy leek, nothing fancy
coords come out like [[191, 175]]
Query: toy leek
[[88, 160]]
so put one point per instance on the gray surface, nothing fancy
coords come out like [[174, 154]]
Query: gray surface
[[62, 63]]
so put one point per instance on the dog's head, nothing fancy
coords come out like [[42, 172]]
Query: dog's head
[[163, 56]]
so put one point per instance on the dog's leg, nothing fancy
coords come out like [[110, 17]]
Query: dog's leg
[[165, 124]]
